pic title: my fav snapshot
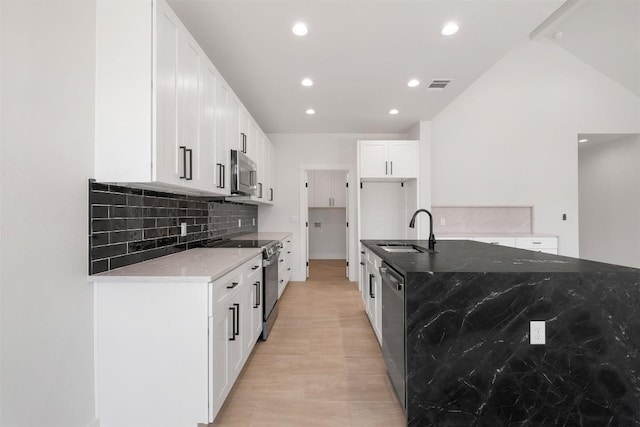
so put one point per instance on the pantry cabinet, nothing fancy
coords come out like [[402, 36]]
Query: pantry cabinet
[[388, 159], [327, 189]]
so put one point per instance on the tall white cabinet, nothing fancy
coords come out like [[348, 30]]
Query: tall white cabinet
[[387, 194]]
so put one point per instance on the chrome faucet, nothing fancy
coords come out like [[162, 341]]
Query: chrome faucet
[[432, 238]]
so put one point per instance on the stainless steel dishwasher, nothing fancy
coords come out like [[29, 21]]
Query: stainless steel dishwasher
[[393, 329]]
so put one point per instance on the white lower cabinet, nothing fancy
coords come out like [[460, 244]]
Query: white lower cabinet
[[284, 265], [371, 287], [547, 245], [168, 353]]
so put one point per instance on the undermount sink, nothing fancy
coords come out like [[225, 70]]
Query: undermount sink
[[402, 248]]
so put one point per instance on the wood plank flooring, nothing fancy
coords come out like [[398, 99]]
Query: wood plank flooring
[[321, 366]]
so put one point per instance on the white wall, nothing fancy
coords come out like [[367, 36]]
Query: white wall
[[46, 312], [422, 132], [298, 152], [609, 180], [328, 239], [511, 137]]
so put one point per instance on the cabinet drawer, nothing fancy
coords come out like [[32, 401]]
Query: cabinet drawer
[[253, 270], [226, 287], [536, 242], [502, 241]]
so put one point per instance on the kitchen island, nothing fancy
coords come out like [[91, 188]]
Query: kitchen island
[[469, 361]]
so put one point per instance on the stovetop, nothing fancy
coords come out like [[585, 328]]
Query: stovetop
[[239, 243]]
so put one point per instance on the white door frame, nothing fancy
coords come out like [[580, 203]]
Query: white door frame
[[351, 214]]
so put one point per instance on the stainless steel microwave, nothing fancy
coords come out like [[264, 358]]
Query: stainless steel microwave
[[243, 174]]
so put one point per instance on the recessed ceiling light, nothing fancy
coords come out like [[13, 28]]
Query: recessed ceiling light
[[450, 28], [393, 111], [307, 82], [300, 29], [413, 83], [583, 140], [310, 111]]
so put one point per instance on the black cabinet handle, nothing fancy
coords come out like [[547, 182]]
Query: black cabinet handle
[[256, 303], [289, 269], [288, 252], [219, 165], [391, 168], [271, 195], [233, 326], [233, 285], [281, 260], [361, 263], [190, 151], [184, 162], [237, 322], [255, 267], [371, 294], [260, 190], [386, 168]]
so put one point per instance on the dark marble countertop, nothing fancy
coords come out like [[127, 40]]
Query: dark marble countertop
[[469, 256]]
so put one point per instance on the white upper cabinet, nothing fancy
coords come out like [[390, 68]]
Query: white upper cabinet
[[388, 159], [164, 116], [327, 189], [222, 156]]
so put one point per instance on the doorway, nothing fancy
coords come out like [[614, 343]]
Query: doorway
[[609, 198], [327, 219]]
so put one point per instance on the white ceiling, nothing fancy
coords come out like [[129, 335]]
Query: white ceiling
[[360, 54], [605, 34]]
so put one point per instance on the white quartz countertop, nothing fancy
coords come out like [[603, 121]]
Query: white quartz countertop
[[266, 235], [194, 265]]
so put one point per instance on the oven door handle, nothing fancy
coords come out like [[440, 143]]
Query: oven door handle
[[272, 260]]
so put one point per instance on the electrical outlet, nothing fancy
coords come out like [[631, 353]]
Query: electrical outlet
[[537, 332], [442, 221], [183, 229], [254, 221], [239, 222]]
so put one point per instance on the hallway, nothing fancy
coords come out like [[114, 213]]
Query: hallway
[[321, 365]]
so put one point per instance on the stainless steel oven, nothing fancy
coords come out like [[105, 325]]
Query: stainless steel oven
[[243, 174], [394, 329], [270, 286]]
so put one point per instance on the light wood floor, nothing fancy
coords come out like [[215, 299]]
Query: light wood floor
[[323, 270], [321, 365]]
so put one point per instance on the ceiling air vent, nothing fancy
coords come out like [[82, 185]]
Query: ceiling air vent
[[439, 84]]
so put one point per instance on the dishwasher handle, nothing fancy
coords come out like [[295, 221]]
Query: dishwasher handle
[[392, 276]]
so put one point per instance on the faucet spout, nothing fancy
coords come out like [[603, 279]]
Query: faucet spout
[[432, 238]]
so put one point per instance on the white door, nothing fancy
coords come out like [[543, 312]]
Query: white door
[[222, 153], [305, 209], [165, 165], [403, 159], [338, 189], [322, 189], [188, 115], [206, 178], [373, 159], [345, 191]]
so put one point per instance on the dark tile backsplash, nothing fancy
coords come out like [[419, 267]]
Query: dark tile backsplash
[[129, 225]]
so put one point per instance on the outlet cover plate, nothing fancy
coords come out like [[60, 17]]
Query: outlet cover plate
[[537, 332]]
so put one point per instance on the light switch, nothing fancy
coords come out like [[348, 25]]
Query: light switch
[[537, 333]]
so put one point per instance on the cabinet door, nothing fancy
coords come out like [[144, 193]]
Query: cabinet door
[[222, 153], [252, 140], [272, 179], [260, 163], [266, 161], [373, 159], [247, 314], [236, 347], [205, 179], [189, 59], [220, 335], [403, 159], [339, 189], [323, 189], [256, 301], [378, 305], [165, 166], [243, 120], [235, 140]]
